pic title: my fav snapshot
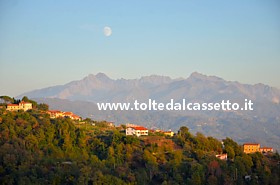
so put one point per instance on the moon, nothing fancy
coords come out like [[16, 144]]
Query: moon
[[107, 31]]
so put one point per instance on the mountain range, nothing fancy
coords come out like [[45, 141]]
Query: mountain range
[[261, 125]]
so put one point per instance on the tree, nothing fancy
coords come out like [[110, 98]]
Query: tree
[[212, 180], [34, 147], [7, 99], [196, 179], [150, 163], [247, 161], [111, 158], [43, 107], [184, 132], [197, 174], [141, 176], [233, 145], [230, 151]]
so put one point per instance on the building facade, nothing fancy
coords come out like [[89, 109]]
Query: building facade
[[251, 147], [55, 113], [222, 156], [138, 131], [59, 114], [21, 106], [169, 133], [266, 149], [255, 147]]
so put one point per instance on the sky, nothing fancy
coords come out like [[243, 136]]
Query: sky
[[47, 43]]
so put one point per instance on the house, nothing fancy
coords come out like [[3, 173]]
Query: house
[[251, 147], [169, 133], [58, 113], [71, 115], [255, 147], [21, 106], [12, 107], [158, 130], [67, 114], [25, 105], [111, 124], [222, 156], [247, 177], [136, 130], [55, 113], [266, 149], [75, 117]]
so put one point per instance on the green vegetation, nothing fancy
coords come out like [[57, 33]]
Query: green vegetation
[[8, 99], [35, 149]]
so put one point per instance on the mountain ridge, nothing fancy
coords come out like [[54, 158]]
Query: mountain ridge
[[91, 85], [260, 125]]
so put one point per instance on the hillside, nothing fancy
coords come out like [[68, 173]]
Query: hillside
[[35, 149]]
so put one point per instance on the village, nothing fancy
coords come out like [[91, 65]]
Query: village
[[137, 130], [162, 146]]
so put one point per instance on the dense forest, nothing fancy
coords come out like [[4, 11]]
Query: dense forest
[[35, 149]]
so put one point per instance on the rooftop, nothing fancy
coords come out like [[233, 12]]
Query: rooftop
[[12, 105], [251, 144], [139, 128]]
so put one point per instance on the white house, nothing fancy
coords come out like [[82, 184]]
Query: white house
[[222, 156], [21, 106], [137, 130]]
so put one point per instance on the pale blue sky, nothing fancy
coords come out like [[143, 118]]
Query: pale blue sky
[[46, 43]]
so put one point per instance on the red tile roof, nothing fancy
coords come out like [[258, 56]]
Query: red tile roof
[[139, 128], [12, 105], [68, 113], [75, 116], [251, 144], [266, 148]]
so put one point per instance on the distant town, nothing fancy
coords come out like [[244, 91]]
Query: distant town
[[132, 129]]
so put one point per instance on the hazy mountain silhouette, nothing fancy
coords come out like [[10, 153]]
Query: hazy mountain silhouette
[[101, 88], [261, 125]]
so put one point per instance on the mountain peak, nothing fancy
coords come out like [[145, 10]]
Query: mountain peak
[[102, 76], [98, 76], [196, 75]]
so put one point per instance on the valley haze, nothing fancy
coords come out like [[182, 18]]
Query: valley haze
[[261, 125]]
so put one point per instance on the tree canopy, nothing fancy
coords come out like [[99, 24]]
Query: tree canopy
[[35, 149]]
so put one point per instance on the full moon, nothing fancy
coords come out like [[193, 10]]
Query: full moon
[[107, 31]]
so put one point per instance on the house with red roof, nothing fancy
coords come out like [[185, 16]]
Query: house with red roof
[[71, 115], [55, 113], [266, 149], [21, 106], [255, 147], [251, 148], [58, 113], [137, 130]]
